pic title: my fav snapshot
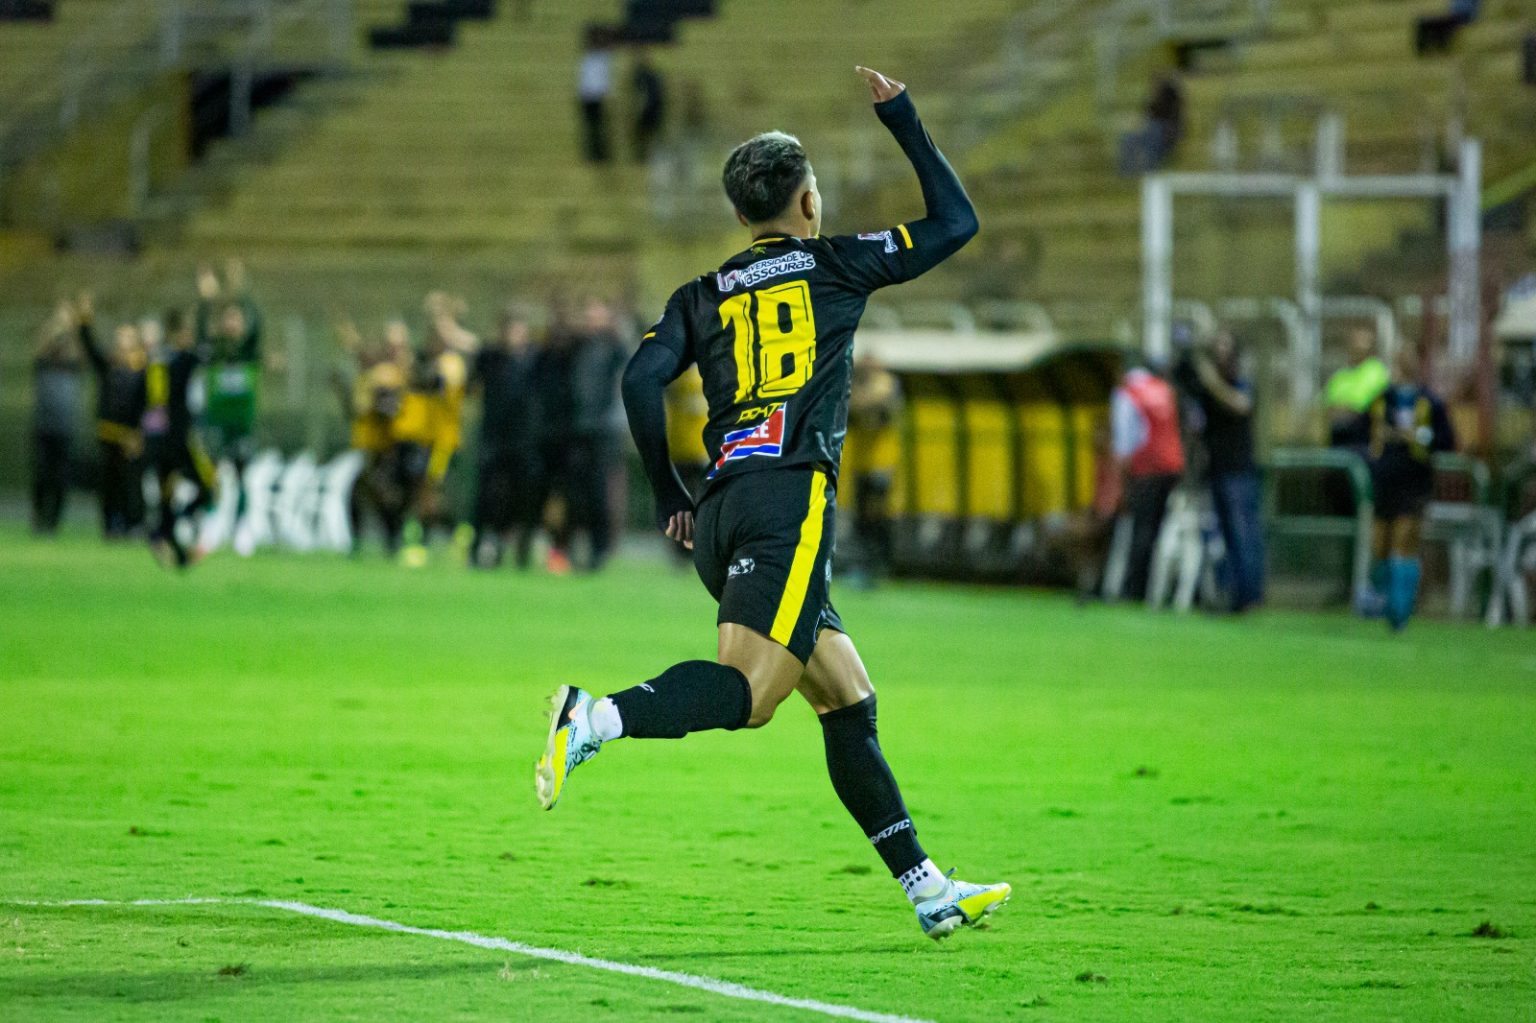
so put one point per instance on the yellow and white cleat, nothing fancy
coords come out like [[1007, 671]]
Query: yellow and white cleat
[[960, 903], [571, 742]]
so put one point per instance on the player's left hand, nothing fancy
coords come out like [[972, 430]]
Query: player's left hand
[[680, 528], [880, 87]]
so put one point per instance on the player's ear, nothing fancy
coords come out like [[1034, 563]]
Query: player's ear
[[741, 219], [808, 205]]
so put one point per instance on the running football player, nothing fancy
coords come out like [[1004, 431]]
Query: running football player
[[772, 335]]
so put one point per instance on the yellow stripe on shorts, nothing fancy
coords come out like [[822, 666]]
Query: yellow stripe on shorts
[[793, 601]]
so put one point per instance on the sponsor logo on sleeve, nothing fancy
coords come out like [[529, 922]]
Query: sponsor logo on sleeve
[[763, 269], [881, 236]]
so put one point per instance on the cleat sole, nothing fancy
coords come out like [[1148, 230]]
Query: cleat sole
[[544, 771]]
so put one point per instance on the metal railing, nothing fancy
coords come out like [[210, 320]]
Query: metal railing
[[1355, 528]]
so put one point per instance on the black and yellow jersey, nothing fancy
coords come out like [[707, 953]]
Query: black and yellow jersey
[[772, 334], [168, 392], [772, 331]]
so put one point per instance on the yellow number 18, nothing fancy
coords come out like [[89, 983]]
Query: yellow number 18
[[775, 349]]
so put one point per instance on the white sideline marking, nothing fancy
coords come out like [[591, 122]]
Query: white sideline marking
[[723, 988]]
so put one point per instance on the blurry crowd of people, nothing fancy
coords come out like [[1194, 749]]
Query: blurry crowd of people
[[174, 395], [178, 395], [548, 442], [1188, 426]]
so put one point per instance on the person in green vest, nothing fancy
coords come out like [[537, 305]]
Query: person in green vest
[[229, 330], [1352, 389]]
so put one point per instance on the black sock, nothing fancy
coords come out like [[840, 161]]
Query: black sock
[[864, 783], [694, 696]]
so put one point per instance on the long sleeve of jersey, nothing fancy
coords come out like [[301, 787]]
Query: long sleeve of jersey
[[646, 377], [93, 352], [876, 259], [950, 218]]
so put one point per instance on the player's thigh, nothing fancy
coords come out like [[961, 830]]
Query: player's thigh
[[771, 670], [1381, 538], [1406, 531], [835, 676]]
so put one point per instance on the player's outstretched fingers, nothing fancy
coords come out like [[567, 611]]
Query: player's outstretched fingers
[[881, 88]]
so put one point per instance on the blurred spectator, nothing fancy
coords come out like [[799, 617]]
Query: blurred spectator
[[119, 412], [509, 485], [430, 425], [594, 83], [870, 462], [1352, 388], [412, 451], [1434, 33], [552, 380], [58, 404], [1144, 419], [650, 105], [229, 329], [1150, 147], [1407, 425], [1225, 397], [173, 446], [371, 401], [597, 360]]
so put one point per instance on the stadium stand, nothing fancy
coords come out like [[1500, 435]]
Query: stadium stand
[[413, 150]]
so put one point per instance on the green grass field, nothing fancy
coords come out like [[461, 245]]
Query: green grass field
[[1289, 817]]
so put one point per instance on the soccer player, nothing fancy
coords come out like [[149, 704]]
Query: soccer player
[[1408, 426], [229, 327], [174, 449], [370, 397], [772, 334], [507, 487], [56, 413], [438, 382], [119, 416]]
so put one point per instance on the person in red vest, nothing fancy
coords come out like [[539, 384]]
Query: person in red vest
[[1144, 420]]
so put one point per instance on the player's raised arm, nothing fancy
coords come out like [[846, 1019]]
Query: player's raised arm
[[659, 360], [950, 218]]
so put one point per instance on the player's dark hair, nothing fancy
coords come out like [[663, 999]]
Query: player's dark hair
[[763, 174]]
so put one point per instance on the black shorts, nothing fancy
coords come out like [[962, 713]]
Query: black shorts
[[183, 456], [763, 544], [1402, 489]]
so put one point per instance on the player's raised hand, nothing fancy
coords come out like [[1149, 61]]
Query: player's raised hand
[[880, 87], [207, 283], [680, 528]]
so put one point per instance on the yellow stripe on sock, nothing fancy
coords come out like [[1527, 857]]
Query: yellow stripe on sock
[[800, 569], [904, 235]]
